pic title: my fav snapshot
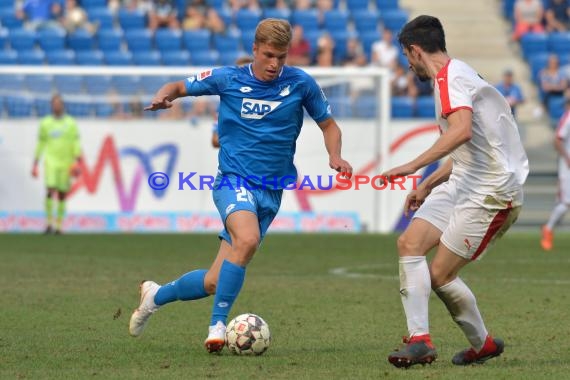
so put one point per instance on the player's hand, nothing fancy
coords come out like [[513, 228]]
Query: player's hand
[[399, 171], [341, 166], [159, 103], [415, 199], [75, 170], [35, 171]]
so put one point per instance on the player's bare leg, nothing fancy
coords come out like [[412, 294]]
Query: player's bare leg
[[415, 288], [50, 192], [557, 214], [61, 195]]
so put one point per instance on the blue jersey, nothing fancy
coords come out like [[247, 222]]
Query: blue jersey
[[259, 122]]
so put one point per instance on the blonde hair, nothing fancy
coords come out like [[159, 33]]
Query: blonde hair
[[274, 32]]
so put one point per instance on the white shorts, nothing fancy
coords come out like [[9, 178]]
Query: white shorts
[[564, 184], [467, 227]]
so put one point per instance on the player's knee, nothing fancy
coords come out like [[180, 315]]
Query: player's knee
[[440, 276], [408, 246], [244, 247]]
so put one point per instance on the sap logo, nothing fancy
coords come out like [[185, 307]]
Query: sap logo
[[257, 109]]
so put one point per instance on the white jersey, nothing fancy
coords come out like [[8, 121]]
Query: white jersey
[[493, 162]]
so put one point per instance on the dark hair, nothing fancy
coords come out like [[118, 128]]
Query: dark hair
[[424, 31]]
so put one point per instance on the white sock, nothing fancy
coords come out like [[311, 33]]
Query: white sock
[[556, 215], [462, 306], [415, 288]]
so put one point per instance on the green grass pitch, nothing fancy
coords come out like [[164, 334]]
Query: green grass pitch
[[331, 302]]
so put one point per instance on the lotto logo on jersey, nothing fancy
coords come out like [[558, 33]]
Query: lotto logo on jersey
[[257, 109]]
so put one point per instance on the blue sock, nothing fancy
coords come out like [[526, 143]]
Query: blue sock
[[188, 287], [229, 284]]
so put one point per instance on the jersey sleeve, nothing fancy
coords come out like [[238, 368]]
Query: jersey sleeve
[[208, 82], [454, 94], [42, 139], [315, 101]]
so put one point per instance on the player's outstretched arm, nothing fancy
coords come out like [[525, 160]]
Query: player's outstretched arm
[[167, 93], [333, 144]]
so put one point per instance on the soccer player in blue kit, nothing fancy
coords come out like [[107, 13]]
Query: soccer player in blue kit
[[260, 118]]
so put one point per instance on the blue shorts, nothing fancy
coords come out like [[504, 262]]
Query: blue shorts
[[231, 195]]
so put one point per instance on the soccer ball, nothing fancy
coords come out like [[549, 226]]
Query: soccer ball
[[248, 334]]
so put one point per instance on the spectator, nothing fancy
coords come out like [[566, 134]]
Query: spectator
[[300, 50], [528, 17], [214, 22], [400, 81], [325, 49], [552, 81], [193, 18], [144, 6], [303, 5], [163, 14], [75, 17], [252, 5], [385, 52], [354, 53], [557, 15], [419, 87], [39, 14], [510, 90]]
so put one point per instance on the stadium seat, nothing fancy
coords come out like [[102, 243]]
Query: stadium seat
[[197, 40], [217, 4], [22, 39], [3, 38], [8, 57], [534, 43], [402, 107], [52, 39], [384, 5], [246, 19], [284, 14], [556, 107], [125, 84], [80, 40], [118, 58], [12, 83], [31, 57], [151, 84], [39, 84], [228, 58], [227, 42], [365, 21], [168, 40], [357, 5], [42, 106], [176, 58], [340, 38], [394, 19], [312, 37], [147, 58], [93, 4], [205, 58], [247, 38], [97, 84], [308, 19], [9, 20], [138, 39], [19, 107], [103, 17], [131, 19], [425, 107], [365, 106], [79, 109], [537, 62], [227, 16], [367, 39], [69, 84], [109, 40], [335, 20], [89, 58], [559, 43], [103, 110], [60, 57]]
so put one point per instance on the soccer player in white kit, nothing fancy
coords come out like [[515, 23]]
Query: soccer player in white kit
[[562, 145], [472, 199]]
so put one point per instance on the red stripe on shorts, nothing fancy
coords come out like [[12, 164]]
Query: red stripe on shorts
[[494, 227]]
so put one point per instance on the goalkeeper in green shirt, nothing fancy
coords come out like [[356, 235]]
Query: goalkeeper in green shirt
[[58, 143]]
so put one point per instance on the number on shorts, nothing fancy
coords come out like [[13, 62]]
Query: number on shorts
[[241, 194]]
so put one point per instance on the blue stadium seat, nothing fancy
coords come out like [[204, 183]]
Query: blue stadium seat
[[22, 39], [246, 19], [89, 58], [69, 84], [357, 5], [103, 17], [118, 58], [384, 5], [3, 37], [19, 107], [176, 58], [168, 39], [284, 14], [559, 43], [312, 37], [367, 39], [8, 57], [125, 84], [42, 106], [138, 39], [97, 84], [80, 40], [394, 19], [308, 19], [247, 39], [131, 19], [205, 58], [227, 42], [508, 8], [151, 84], [340, 38], [335, 20], [109, 40], [60, 57], [104, 110], [556, 107], [534, 43], [147, 58], [12, 82], [365, 21], [425, 107], [217, 4], [227, 16], [537, 62], [9, 20], [39, 84], [402, 107], [229, 57], [365, 106], [31, 57], [79, 109], [197, 40], [93, 4], [52, 39]]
